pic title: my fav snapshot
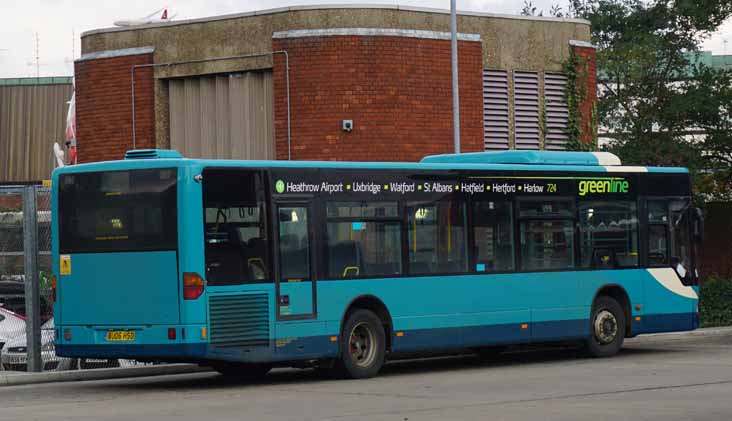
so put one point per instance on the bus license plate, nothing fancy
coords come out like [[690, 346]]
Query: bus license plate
[[121, 335]]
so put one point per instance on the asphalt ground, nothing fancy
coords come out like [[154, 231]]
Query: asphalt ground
[[668, 377]]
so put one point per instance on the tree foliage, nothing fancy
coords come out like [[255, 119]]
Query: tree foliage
[[660, 103]]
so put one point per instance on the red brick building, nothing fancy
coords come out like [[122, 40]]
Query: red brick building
[[334, 83]]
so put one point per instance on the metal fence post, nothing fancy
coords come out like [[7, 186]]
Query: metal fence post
[[32, 287]]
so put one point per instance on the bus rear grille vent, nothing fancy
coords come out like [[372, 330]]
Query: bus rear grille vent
[[239, 320]]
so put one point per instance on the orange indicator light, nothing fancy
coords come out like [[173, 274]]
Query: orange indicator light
[[203, 333], [637, 318], [333, 338], [524, 326], [400, 334]]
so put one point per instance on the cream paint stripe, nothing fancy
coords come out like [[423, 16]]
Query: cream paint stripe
[[667, 277], [626, 169], [606, 158]]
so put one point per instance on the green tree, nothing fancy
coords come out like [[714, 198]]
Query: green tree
[[662, 106]]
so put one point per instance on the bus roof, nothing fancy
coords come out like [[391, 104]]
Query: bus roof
[[511, 160]]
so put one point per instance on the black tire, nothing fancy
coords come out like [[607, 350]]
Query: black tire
[[607, 328], [242, 371], [362, 346]]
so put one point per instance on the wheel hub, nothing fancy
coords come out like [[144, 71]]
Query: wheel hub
[[362, 345], [606, 327]]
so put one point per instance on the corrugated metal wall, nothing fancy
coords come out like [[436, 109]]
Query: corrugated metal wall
[[224, 116], [32, 117]]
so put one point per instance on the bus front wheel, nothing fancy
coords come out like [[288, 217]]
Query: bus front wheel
[[607, 328], [362, 346]]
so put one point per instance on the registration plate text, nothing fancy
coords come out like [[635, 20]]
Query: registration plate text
[[121, 335]]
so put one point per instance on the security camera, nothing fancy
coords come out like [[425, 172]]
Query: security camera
[[347, 125]]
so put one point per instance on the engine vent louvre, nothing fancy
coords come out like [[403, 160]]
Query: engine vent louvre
[[239, 320]]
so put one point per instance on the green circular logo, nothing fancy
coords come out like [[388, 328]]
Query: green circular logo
[[280, 186]]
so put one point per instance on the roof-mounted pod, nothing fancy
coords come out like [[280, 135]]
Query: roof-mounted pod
[[153, 154], [527, 158]]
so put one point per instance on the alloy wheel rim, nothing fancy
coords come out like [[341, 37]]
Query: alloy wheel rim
[[362, 345], [606, 327]]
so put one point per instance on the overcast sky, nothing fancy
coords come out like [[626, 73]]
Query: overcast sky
[[59, 24]]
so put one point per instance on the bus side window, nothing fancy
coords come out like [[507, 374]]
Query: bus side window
[[547, 234], [493, 236], [437, 237], [609, 234], [658, 233], [363, 239], [235, 221]]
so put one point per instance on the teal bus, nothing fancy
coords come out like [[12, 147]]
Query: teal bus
[[246, 265]]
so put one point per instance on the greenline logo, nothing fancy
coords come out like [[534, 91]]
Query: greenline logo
[[610, 185], [280, 186]]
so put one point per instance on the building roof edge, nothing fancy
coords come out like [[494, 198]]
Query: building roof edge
[[330, 7]]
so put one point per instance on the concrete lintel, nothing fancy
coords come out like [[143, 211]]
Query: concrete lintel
[[582, 44], [330, 7], [373, 32], [116, 53]]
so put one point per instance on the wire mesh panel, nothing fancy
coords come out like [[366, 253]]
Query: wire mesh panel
[[11, 249], [12, 298], [12, 289], [526, 109], [557, 111], [495, 110]]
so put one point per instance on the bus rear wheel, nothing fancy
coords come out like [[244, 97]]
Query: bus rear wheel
[[607, 328], [362, 346], [242, 371]]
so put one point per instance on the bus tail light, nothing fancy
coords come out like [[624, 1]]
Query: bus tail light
[[53, 288], [192, 286]]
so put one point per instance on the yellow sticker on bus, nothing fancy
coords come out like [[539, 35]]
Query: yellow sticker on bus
[[65, 264]]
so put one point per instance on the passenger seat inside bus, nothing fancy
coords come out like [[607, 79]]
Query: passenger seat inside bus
[[223, 258], [255, 255], [344, 260]]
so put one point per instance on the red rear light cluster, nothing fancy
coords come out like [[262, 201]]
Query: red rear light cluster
[[192, 286], [53, 287]]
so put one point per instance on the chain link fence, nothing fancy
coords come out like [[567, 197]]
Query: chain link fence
[[15, 349]]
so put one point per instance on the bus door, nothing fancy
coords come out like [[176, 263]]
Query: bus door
[[296, 297]]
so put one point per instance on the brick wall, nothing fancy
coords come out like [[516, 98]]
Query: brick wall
[[587, 75], [104, 107], [396, 90]]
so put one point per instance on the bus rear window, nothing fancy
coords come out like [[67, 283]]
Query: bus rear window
[[118, 211]]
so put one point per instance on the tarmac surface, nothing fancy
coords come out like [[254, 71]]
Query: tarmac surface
[[667, 377]]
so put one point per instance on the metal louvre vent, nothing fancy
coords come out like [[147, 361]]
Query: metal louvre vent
[[495, 109], [142, 154], [557, 112], [239, 320], [526, 109]]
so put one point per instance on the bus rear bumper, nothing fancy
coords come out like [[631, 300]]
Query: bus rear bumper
[[132, 342], [167, 352]]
